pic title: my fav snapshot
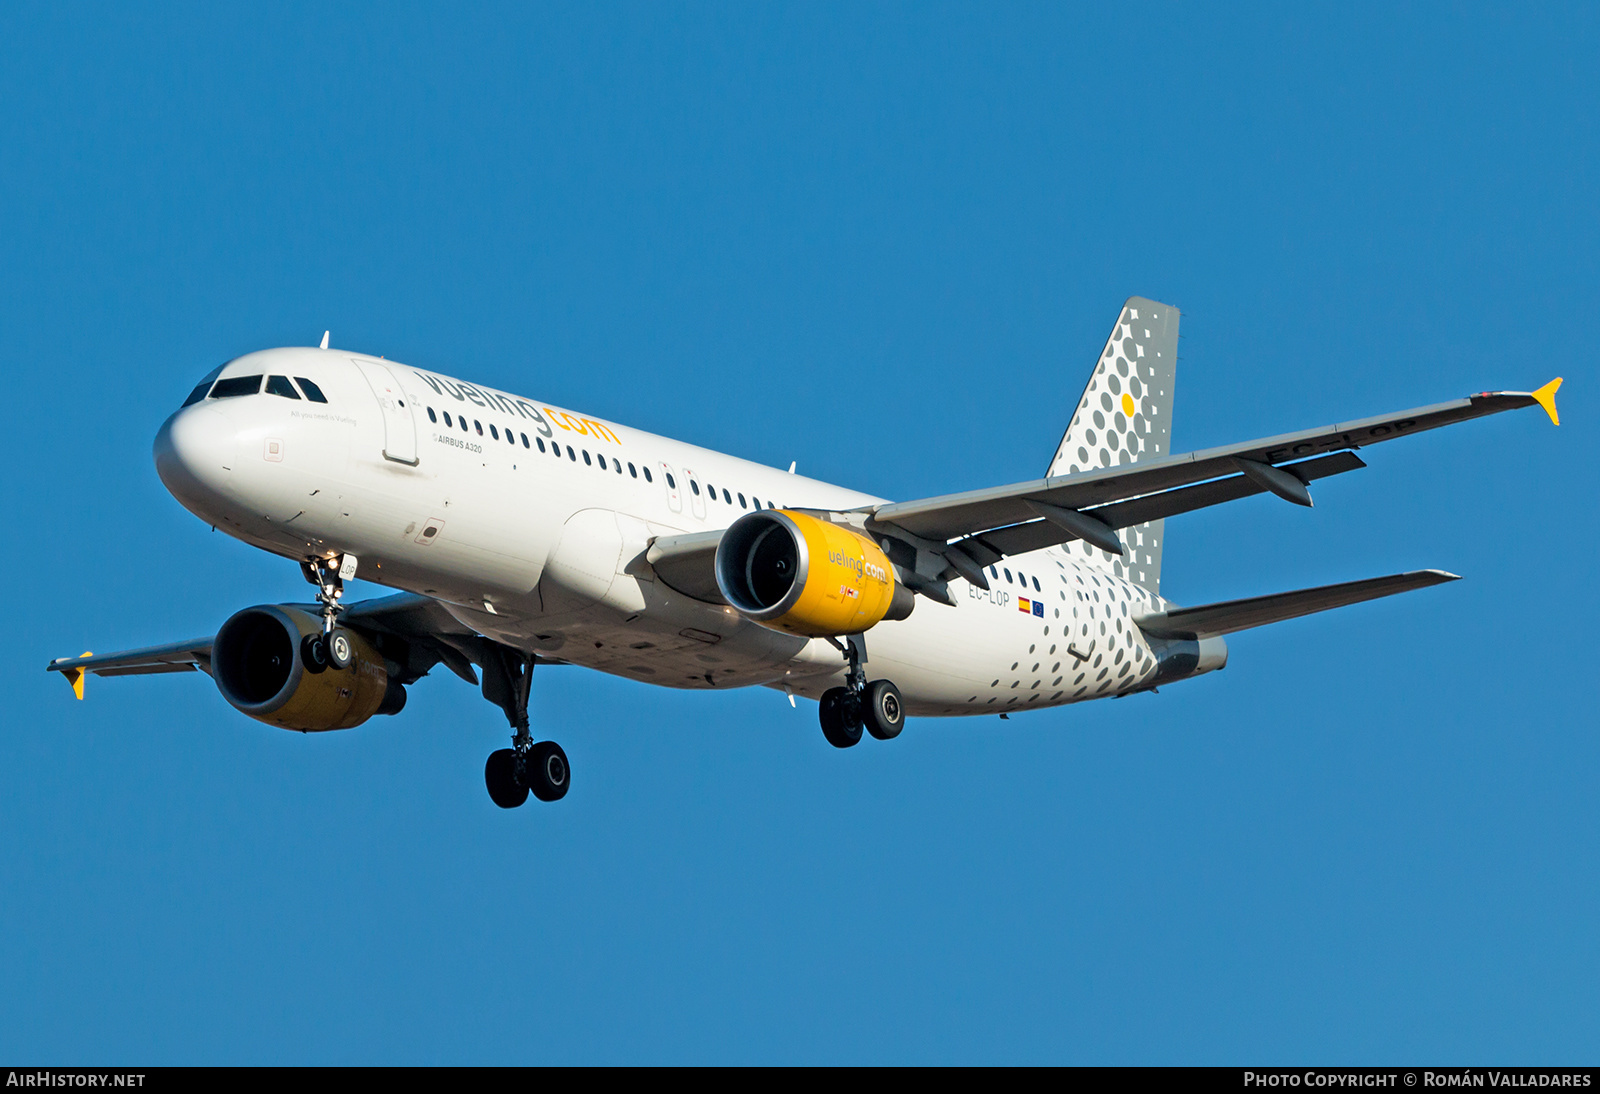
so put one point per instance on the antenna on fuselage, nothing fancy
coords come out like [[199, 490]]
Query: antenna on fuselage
[[791, 466], [325, 339]]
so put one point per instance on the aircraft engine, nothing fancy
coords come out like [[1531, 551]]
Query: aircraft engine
[[259, 665], [795, 573]]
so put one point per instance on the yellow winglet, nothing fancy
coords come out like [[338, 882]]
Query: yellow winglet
[[75, 676], [1546, 397]]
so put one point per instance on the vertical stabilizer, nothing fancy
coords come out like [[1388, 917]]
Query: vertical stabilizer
[[1125, 416]]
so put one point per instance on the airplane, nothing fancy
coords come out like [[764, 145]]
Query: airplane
[[520, 533]]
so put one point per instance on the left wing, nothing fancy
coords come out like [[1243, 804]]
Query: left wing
[[980, 527]]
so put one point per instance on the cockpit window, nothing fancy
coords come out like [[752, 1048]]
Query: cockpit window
[[204, 385], [235, 386], [280, 385], [313, 392]]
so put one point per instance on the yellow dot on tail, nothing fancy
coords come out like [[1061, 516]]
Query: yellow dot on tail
[[1127, 404]]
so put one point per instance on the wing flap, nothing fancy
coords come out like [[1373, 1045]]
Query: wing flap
[[149, 670], [1212, 620], [991, 546]]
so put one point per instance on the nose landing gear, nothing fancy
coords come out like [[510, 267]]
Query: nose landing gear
[[332, 647], [875, 707], [511, 774]]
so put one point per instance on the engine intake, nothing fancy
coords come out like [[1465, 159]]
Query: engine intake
[[795, 573], [257, 663]]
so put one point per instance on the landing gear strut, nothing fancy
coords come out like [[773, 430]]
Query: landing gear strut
[[875, 707], [511, 774], [332, 647]]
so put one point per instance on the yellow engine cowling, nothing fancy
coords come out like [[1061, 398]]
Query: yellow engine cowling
[[258, 665], [795, 573]]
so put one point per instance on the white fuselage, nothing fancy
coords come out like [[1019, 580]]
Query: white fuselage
[[530, 523]]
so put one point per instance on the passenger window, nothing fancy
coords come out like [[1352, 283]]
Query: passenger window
[[742, 505], [571, 455], [447, 420], [695, 487], [632, 470], [617, 466], [993, 572], [313, 392], [586, 458], [511, 440], [1008, 577], [647, 476], [711, 491], [727, 497], [540, 442], [280, 385], [1036, 586], [672, 482], [756, 500], [525, 443], [432, 417], [464, 427], [478, 426], [493, 432]]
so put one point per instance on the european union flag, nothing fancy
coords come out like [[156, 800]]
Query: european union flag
[[1038, 608]]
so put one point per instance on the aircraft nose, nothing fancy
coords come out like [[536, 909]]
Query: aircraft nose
[[195, 453]]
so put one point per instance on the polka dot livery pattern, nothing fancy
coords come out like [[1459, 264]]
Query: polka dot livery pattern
[[1125, 416]]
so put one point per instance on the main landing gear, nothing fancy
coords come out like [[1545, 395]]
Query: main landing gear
[[511, 774], [331, 648], [875, 707]]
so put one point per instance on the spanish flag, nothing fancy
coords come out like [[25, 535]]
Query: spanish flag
[[1024, 605]]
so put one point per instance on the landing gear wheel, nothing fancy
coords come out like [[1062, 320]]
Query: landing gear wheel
[[313, 653], [840, 715], [500, 776], [882, 710], [340, 650], [546, 772]]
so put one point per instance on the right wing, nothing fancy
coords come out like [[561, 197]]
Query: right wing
[[177, 657], [428, 634]]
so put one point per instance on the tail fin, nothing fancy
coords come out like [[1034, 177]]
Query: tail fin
[[1125, 416]]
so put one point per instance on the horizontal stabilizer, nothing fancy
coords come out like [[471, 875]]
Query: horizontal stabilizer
[[1210, 620]]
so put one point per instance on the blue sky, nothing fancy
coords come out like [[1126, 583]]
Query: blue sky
[[886, 242]]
